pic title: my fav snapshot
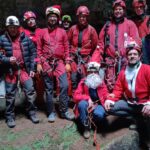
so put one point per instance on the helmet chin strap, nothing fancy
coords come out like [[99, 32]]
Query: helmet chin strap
[[52, 26]]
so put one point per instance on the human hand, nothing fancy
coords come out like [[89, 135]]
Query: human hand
[[90, 102], [13, 60], [32, 74], [108, 104], [146, 110], [39, 68], [68, 68]]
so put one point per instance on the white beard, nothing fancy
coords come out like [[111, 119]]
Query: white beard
[[93, 80]]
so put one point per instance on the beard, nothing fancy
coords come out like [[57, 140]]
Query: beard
[[93, 80]]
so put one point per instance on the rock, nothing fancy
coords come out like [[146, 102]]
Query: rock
[[129, 141]]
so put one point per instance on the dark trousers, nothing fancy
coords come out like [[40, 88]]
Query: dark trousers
[[124, 109], [63, 96], [30, 93], [98, 112]]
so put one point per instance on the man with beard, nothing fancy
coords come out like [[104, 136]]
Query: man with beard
[[90, 94], [18, 58], [131, 94], [112, 39], [83, 40], [53, 54]]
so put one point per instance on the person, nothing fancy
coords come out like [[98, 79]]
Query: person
[[33, 32], [142, 22], [66, 22], [110, 51], [131, 93], [83, 40], [140, 18], [18, 57], [53, 54], [31, 29], [90, 95]]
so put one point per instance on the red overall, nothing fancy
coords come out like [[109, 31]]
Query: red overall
[[115, 52], [82, 45], [53, 52]]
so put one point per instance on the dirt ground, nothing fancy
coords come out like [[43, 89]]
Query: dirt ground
[[60, 135]]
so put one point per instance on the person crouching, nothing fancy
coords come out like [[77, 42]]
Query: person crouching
[[90, 96]]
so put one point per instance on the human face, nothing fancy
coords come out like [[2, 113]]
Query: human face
[[118, 12], [66, 25], [31, 22], [133, 57], [52, 19], [82, 19], [13, 30], [139, 9]]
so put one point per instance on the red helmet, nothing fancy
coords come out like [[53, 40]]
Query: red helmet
[[53, 10], [83, 10], [136, 3], [133, 44], [120, 3], [29, 14]]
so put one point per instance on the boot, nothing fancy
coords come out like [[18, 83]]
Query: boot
[[86, 133], [67, 115], [11, 123], [33, 118]]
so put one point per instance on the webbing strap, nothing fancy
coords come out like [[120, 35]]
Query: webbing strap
[[80, 39], [90, 116]]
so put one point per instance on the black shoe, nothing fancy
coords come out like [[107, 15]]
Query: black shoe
[[34, 118], [11, 123], [67, 115]]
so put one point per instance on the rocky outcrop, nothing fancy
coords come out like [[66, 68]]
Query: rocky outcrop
[[128, 141]]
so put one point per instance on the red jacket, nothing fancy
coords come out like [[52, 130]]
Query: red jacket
[[143, 27], [127, 26], [82, 93], [89, 39], [53, 44], [33, 36], [142, 86]]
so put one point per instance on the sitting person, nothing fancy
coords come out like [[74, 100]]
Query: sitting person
[[131, 95], [90, 94]]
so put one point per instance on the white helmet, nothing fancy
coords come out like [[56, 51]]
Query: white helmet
[[12, 20], [93, 66]]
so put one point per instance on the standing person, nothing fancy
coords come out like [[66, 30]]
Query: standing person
[[90, 94], [140, 18], [112, 39], [33, 32], [142, 22], [19, 55], [131, 94], [66, 22], [83, 41], [53, 54], [31, 29]]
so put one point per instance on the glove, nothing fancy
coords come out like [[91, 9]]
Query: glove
[[68, 68], [39, 68]]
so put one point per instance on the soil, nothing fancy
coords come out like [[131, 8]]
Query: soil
[[61, 135]]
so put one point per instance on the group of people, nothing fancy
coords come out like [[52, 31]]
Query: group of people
[[104, 73]]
